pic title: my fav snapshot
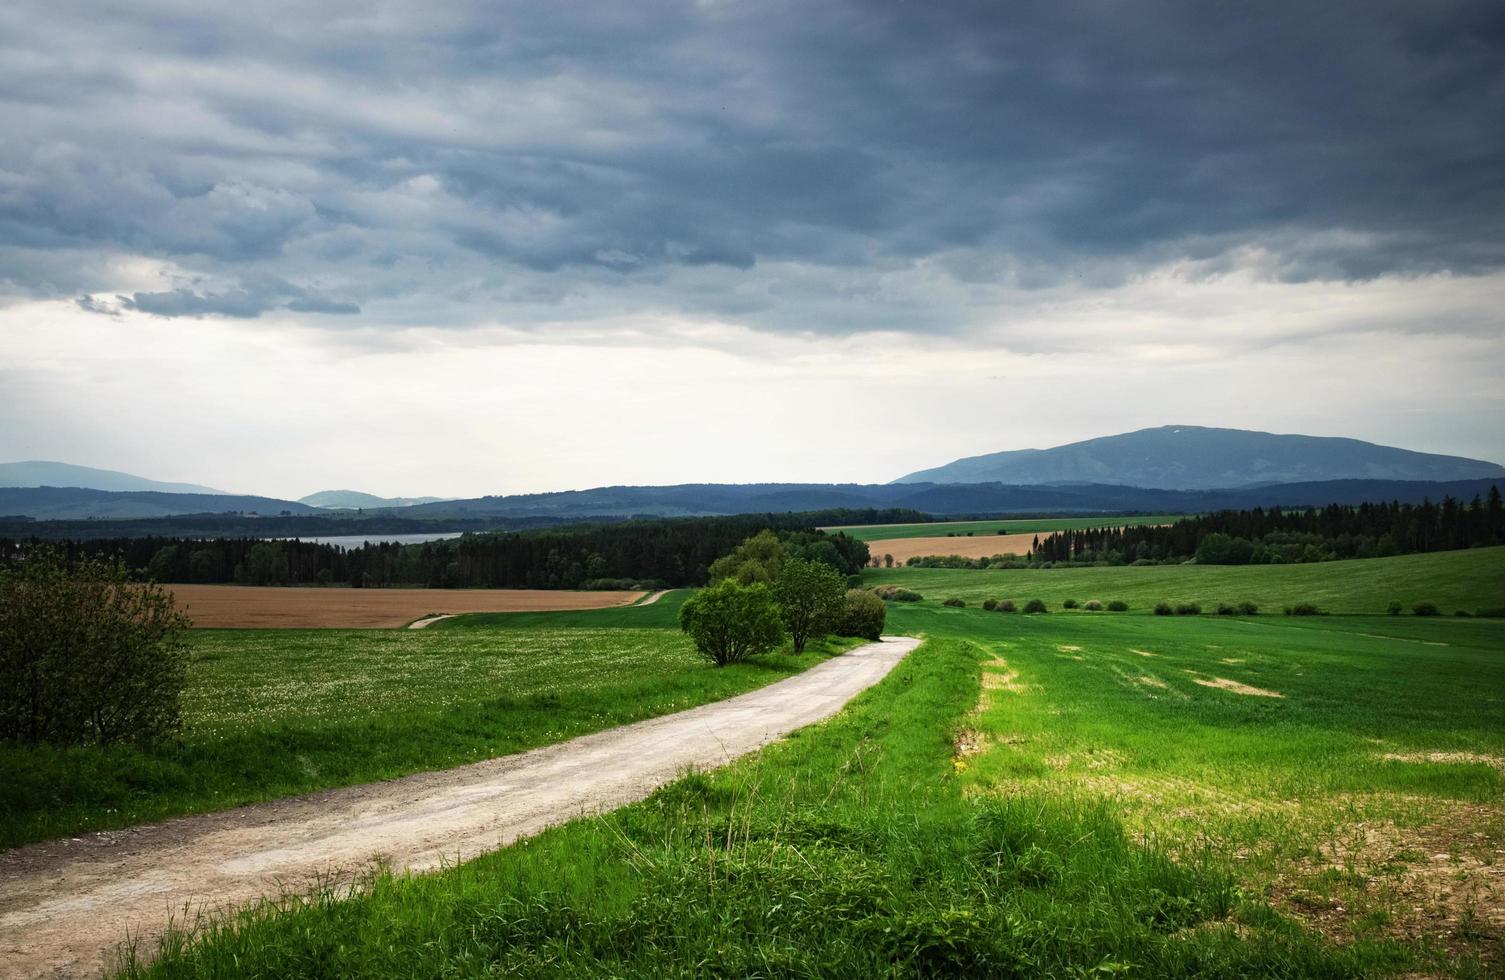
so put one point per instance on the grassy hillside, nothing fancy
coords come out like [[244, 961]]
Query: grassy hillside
[[1043, 525], [1060, 818], [1468, 580], [272, 713]]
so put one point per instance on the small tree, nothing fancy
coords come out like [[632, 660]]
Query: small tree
[[730, 622], [86, 655], [810, 596], [862, 614]]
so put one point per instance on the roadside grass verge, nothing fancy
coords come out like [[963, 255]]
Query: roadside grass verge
[[850, 849], [1470, 580], [273, 713], [1349, 771], [1018, 525]]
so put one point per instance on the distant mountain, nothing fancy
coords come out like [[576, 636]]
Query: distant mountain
[[79, 503], [45, 473], [1191, 457], [355, 499]]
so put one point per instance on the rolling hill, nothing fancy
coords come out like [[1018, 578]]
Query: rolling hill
[[46, 473], [81, 503], [1191, 457], [354, 499]]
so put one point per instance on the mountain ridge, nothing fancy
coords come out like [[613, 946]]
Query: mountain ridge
[[1192, 457], [51, 473]]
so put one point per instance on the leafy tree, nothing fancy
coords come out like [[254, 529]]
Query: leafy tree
[[758, 559], [888, 561], [810, 595], [862, 614], [86, 655], [730, 622]]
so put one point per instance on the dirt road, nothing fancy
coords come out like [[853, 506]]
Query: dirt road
[[66, 905]]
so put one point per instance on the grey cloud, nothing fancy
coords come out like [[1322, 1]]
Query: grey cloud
[[825, 168]]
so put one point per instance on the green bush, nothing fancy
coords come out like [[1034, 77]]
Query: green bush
[[1035, 606], [1304, 609], [1247, 608], [1163, 609], [1006, 606], [1394, 608], [955, 603], [854, 581], [1093, 605], [896, 593], [1463, 614], [862, 614], [730, 622], [990, 604], [1069, 604], [1424, 609], [1226, 609], [810, 596], [86, 655], [1118, 605], [1188, 609]]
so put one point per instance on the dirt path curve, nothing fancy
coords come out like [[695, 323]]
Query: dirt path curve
[[655, 597], [66, 905]]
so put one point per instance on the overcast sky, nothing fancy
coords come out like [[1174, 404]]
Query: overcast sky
[[465, 248]]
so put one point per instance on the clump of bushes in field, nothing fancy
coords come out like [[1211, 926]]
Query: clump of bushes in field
[[1118, 605], [1304, 609], [862, 614], [730, 622], [1093, 605], [1394, 608], [955, 603], [1000, 605], [87, 655], [1069, 604], [1188, 609], [1424, 609], [1240, 609], [896, 593], [1463, 614], [1035, 606], [1164, 609]]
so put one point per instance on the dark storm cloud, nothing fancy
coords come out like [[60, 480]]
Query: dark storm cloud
[[820, 167]]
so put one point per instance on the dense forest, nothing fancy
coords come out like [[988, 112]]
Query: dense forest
[[669, 552], [1275, 536]]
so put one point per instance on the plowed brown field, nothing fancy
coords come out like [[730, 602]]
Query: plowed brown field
[[977, 546], [251, 606]]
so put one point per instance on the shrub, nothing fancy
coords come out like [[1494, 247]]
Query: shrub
[[854, 581], [1424, 609], [1226, 609], [990, 604], [1006, 605], [1304, 609], [86, 655], [1463, 614], [1069, 604], [955, 603], [1247, 608], [1394, 608], [1163, 609], [862, 614], [1035, 606], [896, 593], [810, 599], [1118, 605], [730, 622], [1092, 605], [1188, 609]]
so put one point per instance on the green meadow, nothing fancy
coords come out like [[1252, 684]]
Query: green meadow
[[271, 713], [1468, 580], [1022, 525], [1072, 794]]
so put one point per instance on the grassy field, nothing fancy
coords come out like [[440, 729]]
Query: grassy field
[[1468, 580], [272, 713], [1061, 795], [1023, 525]]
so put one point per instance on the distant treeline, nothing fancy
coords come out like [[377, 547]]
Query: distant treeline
[[671, 552], [1275, 536]]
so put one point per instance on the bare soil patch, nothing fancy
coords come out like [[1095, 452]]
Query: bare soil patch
[[977, 546], [273, 607], [1235, 687]]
